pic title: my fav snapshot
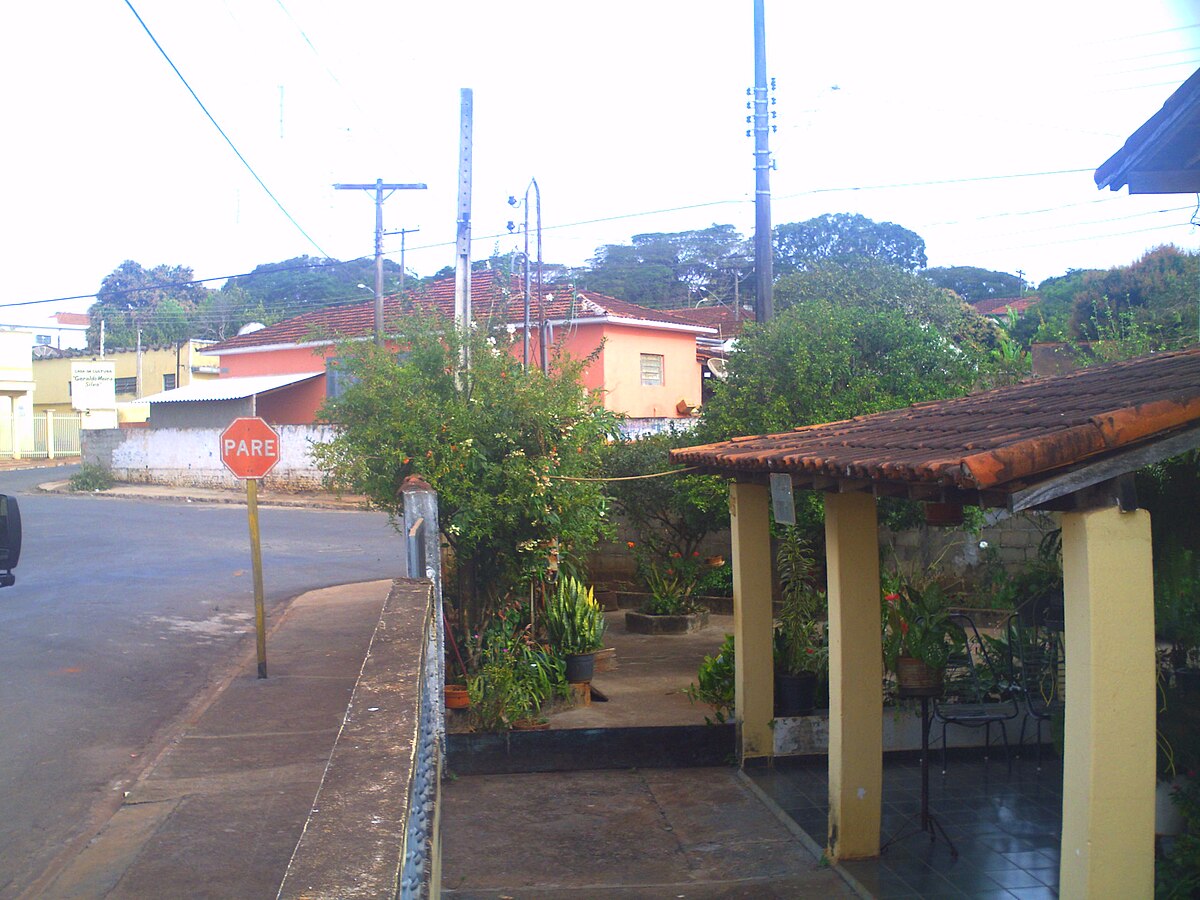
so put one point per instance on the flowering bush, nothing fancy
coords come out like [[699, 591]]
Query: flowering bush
[[916, 623], [671, 586]]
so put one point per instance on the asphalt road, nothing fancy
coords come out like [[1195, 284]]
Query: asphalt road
[[123, 613]]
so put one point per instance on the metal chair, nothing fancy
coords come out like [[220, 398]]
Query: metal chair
[[979, 692], [1034, 634]]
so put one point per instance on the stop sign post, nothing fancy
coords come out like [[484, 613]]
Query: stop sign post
[[250, 449]]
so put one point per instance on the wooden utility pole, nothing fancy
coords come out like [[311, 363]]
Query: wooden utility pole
[[379, 187], [763, 304], [462, 247]]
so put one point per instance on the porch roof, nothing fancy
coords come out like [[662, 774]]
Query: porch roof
[[228, 388], [1018, 446]]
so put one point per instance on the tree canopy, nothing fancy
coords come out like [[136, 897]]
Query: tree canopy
[[669, 270], [500, 445], [844, 237], [972, 283], [160, 301]]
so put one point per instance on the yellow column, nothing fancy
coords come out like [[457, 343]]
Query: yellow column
[[1108, 779], [754, 678], [855, 676]]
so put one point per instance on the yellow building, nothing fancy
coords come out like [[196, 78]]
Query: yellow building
[[162, 369]]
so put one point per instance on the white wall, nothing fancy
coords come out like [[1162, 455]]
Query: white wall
[[191, 457]]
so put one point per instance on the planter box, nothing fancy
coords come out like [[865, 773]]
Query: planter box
[[722, 606], [640, 623]]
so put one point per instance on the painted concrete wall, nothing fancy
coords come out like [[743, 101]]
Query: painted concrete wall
[[284, 361], [191, 457]]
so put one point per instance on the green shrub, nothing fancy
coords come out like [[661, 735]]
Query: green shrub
[[714, 683], [92, 477]]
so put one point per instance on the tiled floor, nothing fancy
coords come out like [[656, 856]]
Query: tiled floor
[[1006, 827]]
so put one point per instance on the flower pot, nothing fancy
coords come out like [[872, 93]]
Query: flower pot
[[580, 667], [1168, 817], [916, 678], [1188, 680], [795, 695], [456, 696]]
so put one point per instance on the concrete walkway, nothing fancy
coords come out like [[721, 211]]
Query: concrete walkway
[[219, 812], [694, 833]]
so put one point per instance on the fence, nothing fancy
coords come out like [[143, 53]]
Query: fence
[[45, 436]]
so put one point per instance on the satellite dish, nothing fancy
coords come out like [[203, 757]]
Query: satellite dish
[[250, 328], [717, 366]]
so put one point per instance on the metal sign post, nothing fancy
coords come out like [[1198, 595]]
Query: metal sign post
[[250, 449]]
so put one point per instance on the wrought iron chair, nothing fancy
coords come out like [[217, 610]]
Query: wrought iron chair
[[1037, 641], [979, 691]]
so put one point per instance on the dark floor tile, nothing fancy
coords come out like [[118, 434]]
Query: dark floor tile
[[1032, 859], [1014, 878], [1034, 893]]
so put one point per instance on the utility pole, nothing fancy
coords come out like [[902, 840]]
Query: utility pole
[[379, 187], [462, 244], [763, 303], [403, 232]]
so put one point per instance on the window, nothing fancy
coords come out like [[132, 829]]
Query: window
[[337, 379], [652, 369], [126, 385], [169, 382], [43, 339]]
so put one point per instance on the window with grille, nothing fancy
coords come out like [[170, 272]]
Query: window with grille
[[126, 385], [652, 369], [169, 382]]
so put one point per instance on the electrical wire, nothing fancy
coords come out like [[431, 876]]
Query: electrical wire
[[221, 131]]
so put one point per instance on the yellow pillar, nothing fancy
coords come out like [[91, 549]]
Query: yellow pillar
[[1108, 778], [855, 676], [754, 677]]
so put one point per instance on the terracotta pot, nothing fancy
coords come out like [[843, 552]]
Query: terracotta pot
[[916, 678], [531, 725], [456, 696]]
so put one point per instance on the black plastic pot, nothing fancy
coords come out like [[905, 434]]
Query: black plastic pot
[[580, 667], [795, 695]]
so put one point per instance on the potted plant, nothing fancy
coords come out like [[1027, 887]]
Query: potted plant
[[575, 623], [801, 637], [670, 606], [917, 637]]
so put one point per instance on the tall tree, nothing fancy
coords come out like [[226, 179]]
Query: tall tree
[[871, 286], [972, 283], [845, 237], [159, 302], [670, 270], [296, 285]]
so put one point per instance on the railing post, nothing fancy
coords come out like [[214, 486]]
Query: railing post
[[49, 434], [421, 876]]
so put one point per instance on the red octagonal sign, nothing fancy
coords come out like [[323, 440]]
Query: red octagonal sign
[[249, 447]]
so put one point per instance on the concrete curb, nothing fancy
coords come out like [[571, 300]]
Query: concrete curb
[[163, 493]]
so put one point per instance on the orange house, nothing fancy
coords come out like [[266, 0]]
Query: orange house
[[646, 365]]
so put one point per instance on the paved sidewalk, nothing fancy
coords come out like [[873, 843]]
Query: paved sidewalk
[[219, 813]]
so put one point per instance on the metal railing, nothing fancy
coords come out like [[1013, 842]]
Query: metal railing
[[45, 436], [419, 877]]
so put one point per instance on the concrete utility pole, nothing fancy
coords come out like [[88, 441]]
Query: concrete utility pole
[[403, 232], [763, 303], [462, 246], [379, 187]]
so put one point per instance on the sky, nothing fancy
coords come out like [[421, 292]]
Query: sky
[[978, 126]]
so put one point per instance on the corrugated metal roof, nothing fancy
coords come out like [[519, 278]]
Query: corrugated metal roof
[[996, 440], [228, 388]]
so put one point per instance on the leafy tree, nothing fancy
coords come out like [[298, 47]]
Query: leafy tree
[[844, 237], [822, 361], [669, 270], [870, 285], [296, 285], [672, 514], [500, 445], [158, 301], [973, 283], [1157, 293]]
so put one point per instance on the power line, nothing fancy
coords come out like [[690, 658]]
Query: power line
[[221, 131]]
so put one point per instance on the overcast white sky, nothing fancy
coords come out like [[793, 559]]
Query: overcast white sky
[[631, 115]]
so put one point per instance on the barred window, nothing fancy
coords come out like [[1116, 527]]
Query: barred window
[[126, 385], [169, 382]]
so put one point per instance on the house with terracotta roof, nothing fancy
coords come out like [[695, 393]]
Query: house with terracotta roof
[[645, 360], [998, 307]]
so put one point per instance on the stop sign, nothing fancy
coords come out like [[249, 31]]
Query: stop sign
[[249, 447]]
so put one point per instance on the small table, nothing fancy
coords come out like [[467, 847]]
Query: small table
[[925, 822]]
